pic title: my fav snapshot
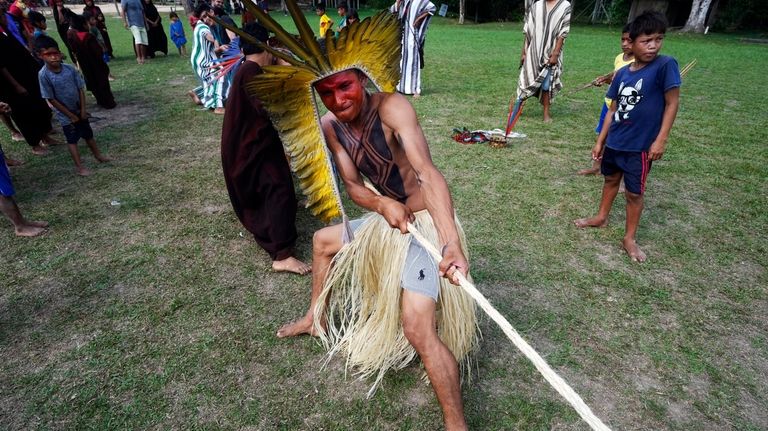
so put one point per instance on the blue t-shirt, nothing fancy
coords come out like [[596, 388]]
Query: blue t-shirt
[[63, 86], [134, 12], [639, 96]]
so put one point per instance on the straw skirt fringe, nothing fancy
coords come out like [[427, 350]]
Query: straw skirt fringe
[[363, 292]]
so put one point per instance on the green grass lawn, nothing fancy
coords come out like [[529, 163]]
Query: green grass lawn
[[159, 312]]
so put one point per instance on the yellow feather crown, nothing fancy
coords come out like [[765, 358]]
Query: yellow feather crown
[[371, 45]]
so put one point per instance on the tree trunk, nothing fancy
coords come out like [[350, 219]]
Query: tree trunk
[[462, 8], [697, 20]]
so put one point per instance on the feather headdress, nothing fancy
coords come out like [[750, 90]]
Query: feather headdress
[[372, 46]]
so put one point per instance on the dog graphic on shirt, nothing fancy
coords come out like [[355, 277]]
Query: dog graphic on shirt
[[628, 98]]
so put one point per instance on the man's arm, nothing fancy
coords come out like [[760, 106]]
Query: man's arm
[[671, 103], [556, 51], [122, 14], [397, 113]]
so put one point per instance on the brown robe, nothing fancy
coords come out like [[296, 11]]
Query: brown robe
[[255, 169], [95, 71]]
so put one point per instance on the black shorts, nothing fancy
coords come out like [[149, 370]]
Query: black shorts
[[75, 131], [633, 164]]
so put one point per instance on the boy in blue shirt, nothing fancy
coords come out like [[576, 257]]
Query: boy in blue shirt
[[645, 97], [64, 89]]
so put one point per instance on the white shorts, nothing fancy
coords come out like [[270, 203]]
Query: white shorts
[[139, 35]]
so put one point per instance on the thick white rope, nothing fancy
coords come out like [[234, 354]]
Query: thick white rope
[[549, 374]]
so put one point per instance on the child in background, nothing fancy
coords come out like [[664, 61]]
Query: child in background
[[176, 31], [620, 61], [63, 88], [326, 23], [342, 11], [644, 99], [352, 17], [38, 22], [97, 34]]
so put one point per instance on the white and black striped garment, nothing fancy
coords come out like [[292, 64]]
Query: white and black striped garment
[[541, 29], [413, 41]]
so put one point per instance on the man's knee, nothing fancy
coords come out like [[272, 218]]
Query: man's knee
[[419, 325], [326, 241]]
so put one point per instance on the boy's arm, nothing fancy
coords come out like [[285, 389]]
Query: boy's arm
[[597, 150], [671, 104], [63, 109]]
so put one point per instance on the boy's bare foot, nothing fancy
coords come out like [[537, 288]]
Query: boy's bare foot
[[219, 111], [49, 141], [104, 159], [83, 172], [38, 150], [110, 77], [16, 136], [299, 327], [31, 229], [13, 162], [589, 171], [581, 223], [416, 95], [291, 264], [630, 246], [547, 119], [194, 97]]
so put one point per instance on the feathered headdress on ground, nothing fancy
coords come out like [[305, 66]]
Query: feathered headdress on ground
[[372, 46]]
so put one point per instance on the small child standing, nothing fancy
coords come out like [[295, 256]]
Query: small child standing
[[326, 23], [177, 34], [63, 88], [645, 97]]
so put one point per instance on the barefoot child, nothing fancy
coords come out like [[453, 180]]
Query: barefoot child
[[645, 97], [63, 88], [177, 34], [8, 204]]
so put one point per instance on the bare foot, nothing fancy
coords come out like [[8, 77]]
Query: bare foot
[[39, 150], [590, 222], [194, 97], [13, 162], [83, 172], [30, 229], [110, 77], [416, 95], [50, 141], [219, 111], [299, 327], [104, 159], [38, 223], [16, 136], [632, 249], [547, 119], [291, 264], [589, 171]]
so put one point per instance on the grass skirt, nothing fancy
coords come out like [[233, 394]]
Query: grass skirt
[[363, 293]]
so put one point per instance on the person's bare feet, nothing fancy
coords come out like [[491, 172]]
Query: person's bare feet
[[16, 136], [194, 97], [38, 150], [83, 172], [547, 119], [104, 159], [291, 264], [219, 111], [589, 171], [300, 327], [416, 95], [633, 250], [30, 229], [590, 222], [49, 141]]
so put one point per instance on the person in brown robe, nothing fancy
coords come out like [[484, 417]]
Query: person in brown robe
[[89, 57], [255, 168], [20, 89]]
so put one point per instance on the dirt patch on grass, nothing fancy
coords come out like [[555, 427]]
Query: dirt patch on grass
[[124, 114]]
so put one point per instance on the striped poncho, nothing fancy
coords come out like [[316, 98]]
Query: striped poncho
[[414, 37]]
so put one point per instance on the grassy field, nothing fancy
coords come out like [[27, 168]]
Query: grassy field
[[147, 305]]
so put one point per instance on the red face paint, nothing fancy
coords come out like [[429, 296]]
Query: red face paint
[[343, 94]]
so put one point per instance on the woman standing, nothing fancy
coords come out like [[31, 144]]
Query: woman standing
[[158, 41]]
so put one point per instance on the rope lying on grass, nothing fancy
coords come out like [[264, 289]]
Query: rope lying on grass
[[549, 374]]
